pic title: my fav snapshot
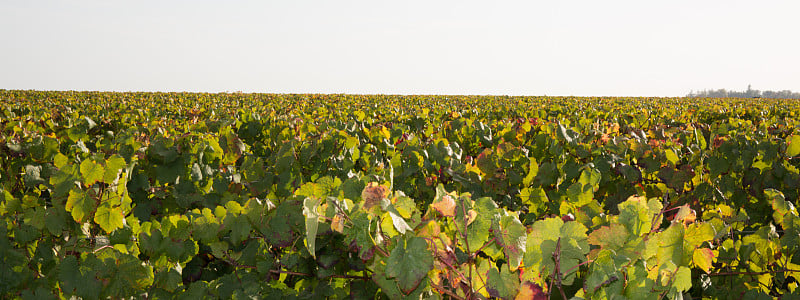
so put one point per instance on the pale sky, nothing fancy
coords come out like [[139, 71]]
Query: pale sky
[[581, 48]]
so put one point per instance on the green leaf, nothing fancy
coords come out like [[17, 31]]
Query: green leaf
[[780, 206], [114, 166], [671, 246], [486, 162], [793, 146], [533, 197], [389, 286], [55, 220], [502, 283], [206, 226], [397, 220], [360, 232], [240, 227], [581, 192], [478, 230], [511, 236], [604, 274], [169, 280], [638, 285], [219, 249], [409, 263], [312, 222], [564, 134], [543, 240], [35, 217], [76, 282], [284, 223], [637, 214], [91, 172], [80, 205], [683, 279], [109, 218], [64, 180], [698, 233], [131, 277], [611, 237], [60, 160]]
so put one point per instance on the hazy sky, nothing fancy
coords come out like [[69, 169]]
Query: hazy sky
[[582, 48]]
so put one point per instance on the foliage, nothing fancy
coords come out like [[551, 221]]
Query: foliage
[[177, 195]]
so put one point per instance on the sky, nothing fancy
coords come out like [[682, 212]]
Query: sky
[[579, 48]]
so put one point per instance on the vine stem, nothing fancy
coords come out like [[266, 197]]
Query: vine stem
[[577, 266], [555, 278], [557, 256], [101, 248], [485, 244]]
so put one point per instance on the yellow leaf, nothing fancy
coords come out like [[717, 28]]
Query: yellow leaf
[[703, 258], [337, 224]]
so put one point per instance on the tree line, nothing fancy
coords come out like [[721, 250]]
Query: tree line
[[749, 93]]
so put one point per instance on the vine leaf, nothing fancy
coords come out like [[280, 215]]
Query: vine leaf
[[611, 237], [114, 165], [703, 258], [604, 273], [529, 290], [541, 244], [409, 262], [479, 224], [637, 213], [80, 205], [66, 178], [581, 192], [359, 232], [76, 281], [397, 220], [511, 236], [697, 233], [108, 217], [671, 245], [445, 206], [779, 204], [502, 283], [373, 194], [685, 214], [312, 223], [683, 279], [91, 172], [793, 147], [671, 157]]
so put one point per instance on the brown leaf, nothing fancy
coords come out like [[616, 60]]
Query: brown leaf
[[446, 206], [372, 194]]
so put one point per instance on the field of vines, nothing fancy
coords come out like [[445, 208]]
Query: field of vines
[[305, 196]]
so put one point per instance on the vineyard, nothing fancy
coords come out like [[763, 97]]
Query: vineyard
[[191, 195]]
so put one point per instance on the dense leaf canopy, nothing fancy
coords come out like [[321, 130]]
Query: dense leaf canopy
[[175, 195]]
